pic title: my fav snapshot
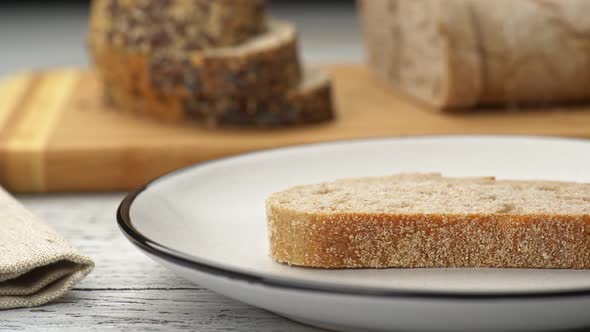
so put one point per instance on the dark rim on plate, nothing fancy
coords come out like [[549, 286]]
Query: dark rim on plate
[[177, 257]]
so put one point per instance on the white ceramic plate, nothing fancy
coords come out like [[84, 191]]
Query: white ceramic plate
[[207, 223]]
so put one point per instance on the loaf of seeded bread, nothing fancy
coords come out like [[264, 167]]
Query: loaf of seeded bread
[[457, 54], [426, 220], [256, 81]]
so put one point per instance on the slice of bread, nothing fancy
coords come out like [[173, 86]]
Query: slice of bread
[[412, 45], [426, 220], [308, 103], [265, 65]]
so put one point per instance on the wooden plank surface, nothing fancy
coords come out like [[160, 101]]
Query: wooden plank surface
[[55, 135], [127, 291]]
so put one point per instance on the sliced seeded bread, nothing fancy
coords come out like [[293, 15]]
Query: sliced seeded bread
[[255, 82], [308, 103], [265, 65], [426, 220], [457, 54]]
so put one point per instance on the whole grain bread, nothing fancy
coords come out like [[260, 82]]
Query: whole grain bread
[[426, 220], [265, 65], [457, 54], [247, 77]]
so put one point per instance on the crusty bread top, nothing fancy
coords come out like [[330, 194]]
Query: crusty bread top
[[434, 194]]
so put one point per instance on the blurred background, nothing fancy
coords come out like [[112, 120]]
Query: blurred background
[[36, 34]]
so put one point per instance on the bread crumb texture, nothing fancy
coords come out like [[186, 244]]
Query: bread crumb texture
[[426, 220]]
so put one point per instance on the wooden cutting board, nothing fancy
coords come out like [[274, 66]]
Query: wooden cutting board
[[55, 135]]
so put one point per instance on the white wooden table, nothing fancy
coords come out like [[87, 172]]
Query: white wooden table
[[128, 291]]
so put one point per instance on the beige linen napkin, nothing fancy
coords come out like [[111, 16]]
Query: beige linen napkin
[[36, 264]]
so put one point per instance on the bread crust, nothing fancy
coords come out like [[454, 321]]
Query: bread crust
[[386, 240]]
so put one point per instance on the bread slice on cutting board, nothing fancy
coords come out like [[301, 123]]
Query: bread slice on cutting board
[[264, 65], [426, 220], [458, 54], [309, 102]]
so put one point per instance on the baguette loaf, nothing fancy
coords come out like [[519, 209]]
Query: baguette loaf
[[425, 220], [457, 54]]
